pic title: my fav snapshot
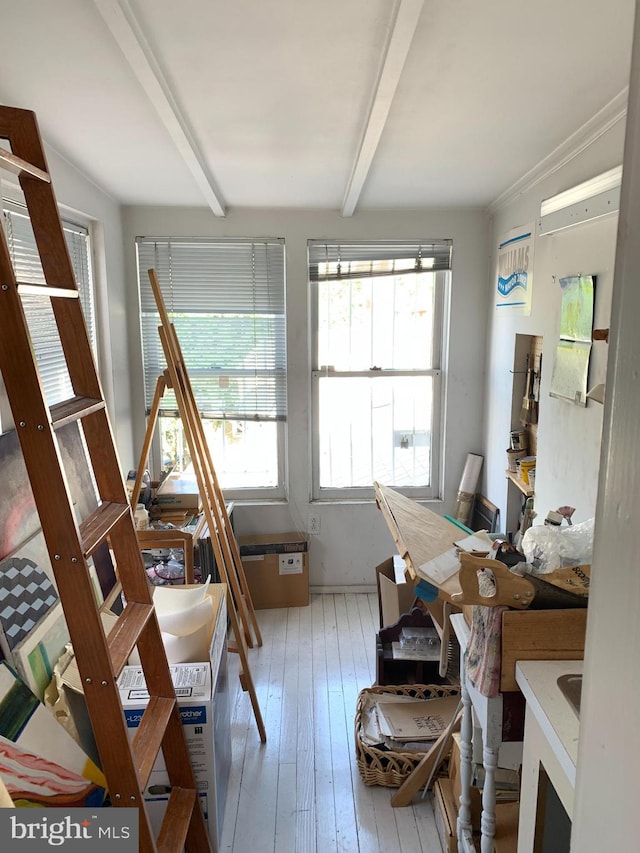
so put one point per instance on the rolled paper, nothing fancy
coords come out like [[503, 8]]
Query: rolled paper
[[471, 473]]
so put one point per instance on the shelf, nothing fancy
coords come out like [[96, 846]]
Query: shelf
[[524, 487]]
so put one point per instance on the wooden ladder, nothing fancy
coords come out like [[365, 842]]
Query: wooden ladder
[[214, 507], [126, 764]]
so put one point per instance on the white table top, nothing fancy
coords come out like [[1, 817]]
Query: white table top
[[538, 681]]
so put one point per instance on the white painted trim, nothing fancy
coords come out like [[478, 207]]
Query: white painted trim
[[407, 13], [591, 130], [131, 40], [343, 590]]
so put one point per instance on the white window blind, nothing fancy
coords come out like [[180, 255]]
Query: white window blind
[[226, 300], [42, 325], [340, 261]]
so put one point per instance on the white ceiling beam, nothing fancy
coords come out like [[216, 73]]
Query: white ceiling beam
[[128, 34], [401, 31]]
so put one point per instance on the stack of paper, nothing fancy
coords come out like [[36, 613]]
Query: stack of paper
[[439, 569], [392, 720], [421, 719]]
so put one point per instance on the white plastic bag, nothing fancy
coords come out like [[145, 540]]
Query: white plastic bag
[[549, 548]]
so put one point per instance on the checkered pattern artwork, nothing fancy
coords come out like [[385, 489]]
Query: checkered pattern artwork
[[26, 595]]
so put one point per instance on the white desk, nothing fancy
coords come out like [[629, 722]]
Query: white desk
[[550, 739], [489, 714]]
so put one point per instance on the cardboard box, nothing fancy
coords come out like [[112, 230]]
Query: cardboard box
[[475, 794], [192, 682], [537, 635], [178, 490], [506, 837], [446, 815], [540, 635], [395, 594], [205, 721], [276, 566]]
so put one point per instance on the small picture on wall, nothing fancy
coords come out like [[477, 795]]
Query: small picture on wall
[[515, 271], [573, 351]]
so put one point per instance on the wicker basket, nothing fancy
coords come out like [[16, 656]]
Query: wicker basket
[[383, 766]]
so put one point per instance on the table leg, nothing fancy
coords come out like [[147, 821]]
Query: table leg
[[488, 822], [464, 814]]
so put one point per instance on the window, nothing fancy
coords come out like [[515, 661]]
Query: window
[[377, 379], [226, 299], [42, 325]]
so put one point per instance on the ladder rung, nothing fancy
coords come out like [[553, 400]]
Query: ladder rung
[[95, 527], [148, 738], [74, 409], [126, 632], [27, 289], [20, 167], [175, 824]]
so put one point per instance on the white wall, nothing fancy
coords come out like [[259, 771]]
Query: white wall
[[608, 782], [569, 436], [353, 537]]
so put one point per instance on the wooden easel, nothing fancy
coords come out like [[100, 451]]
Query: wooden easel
[[244, 607], [214, 507]]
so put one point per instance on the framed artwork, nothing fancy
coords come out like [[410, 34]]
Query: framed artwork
[[33, 630], [18, 516], [19, 520], [573, 351], [35, 657], [26, 594]]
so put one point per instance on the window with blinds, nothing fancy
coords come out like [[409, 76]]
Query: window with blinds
[[42, 326], [377, 374], [226, 300]]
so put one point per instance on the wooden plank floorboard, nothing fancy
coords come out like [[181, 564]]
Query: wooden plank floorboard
[[325, 829], [305, 758], [302, 792], [340, 745]]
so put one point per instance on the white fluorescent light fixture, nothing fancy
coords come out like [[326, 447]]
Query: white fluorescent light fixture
[[589, 200]]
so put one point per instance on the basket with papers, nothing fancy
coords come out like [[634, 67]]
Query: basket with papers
[[395, 725]]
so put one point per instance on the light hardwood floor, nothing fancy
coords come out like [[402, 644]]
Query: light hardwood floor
[[301, 791]]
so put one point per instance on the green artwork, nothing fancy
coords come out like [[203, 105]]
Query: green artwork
[[571, 368], [576, 319]]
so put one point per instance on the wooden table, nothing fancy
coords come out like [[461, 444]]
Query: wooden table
[[489, 715], [420, 535]]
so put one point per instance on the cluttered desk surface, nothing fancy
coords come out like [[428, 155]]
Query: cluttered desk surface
[[448, 556], [420, 535]]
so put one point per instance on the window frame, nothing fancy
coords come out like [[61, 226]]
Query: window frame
[[256, 494], [439, 330], [12, 202]]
